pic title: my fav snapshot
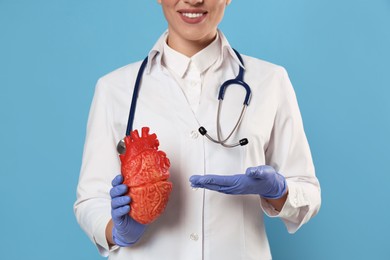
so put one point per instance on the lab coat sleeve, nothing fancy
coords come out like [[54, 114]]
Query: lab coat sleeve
[[289, 153], [99, 166]]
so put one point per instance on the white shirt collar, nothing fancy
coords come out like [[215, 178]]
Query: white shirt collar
[[201, 59], [180, 63], [174, 60]]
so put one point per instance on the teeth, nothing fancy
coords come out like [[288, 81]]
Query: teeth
[[192, 15]]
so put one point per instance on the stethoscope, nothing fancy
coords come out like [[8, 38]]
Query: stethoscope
[[239, 80]]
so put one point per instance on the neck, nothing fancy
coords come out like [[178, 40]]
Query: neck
[[189, 47]]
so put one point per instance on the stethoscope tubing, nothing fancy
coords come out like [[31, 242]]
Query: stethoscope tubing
[[239, 80], [219, 129], [235, 81], [134, 99]]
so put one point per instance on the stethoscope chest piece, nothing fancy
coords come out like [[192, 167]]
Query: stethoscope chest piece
[[121, 147]]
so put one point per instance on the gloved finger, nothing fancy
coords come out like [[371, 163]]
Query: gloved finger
[[218, 180], [229, 190], [118, 190], [117, 180], [222, 189], [218, 188], [118, 214], [120, 202], [260, 172], [194, 179]]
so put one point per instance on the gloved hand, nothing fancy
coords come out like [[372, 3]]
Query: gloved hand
[[262, 180], [126, 231]]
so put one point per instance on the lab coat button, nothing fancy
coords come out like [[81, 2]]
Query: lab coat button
[[194, 134], [194, 237]]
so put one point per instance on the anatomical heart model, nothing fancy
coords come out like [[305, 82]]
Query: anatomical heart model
[[145, 172]]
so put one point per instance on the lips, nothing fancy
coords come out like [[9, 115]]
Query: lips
[[192, 16]]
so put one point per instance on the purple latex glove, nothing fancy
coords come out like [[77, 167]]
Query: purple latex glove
[[126, 231], [262, 180]]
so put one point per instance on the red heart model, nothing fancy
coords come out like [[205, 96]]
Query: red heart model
[[145, 172]]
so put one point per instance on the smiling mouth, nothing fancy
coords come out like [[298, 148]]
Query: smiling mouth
[[192, 15]]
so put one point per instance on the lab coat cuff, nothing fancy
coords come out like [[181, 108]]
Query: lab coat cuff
[[294, 202], [99, 237]]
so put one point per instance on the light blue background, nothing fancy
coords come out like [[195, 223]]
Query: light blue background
[[336, 52]]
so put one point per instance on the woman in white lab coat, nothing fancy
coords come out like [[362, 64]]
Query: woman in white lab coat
[[219, 195]]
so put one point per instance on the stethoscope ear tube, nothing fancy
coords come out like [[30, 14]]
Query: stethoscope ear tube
[[239, 80], [203, 132]]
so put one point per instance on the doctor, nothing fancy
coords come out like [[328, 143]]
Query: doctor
[[219, 194]]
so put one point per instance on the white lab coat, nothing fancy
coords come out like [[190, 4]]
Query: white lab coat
[[199, 224]]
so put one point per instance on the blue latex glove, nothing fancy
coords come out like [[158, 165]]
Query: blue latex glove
[[262, 180], [126, 231]]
